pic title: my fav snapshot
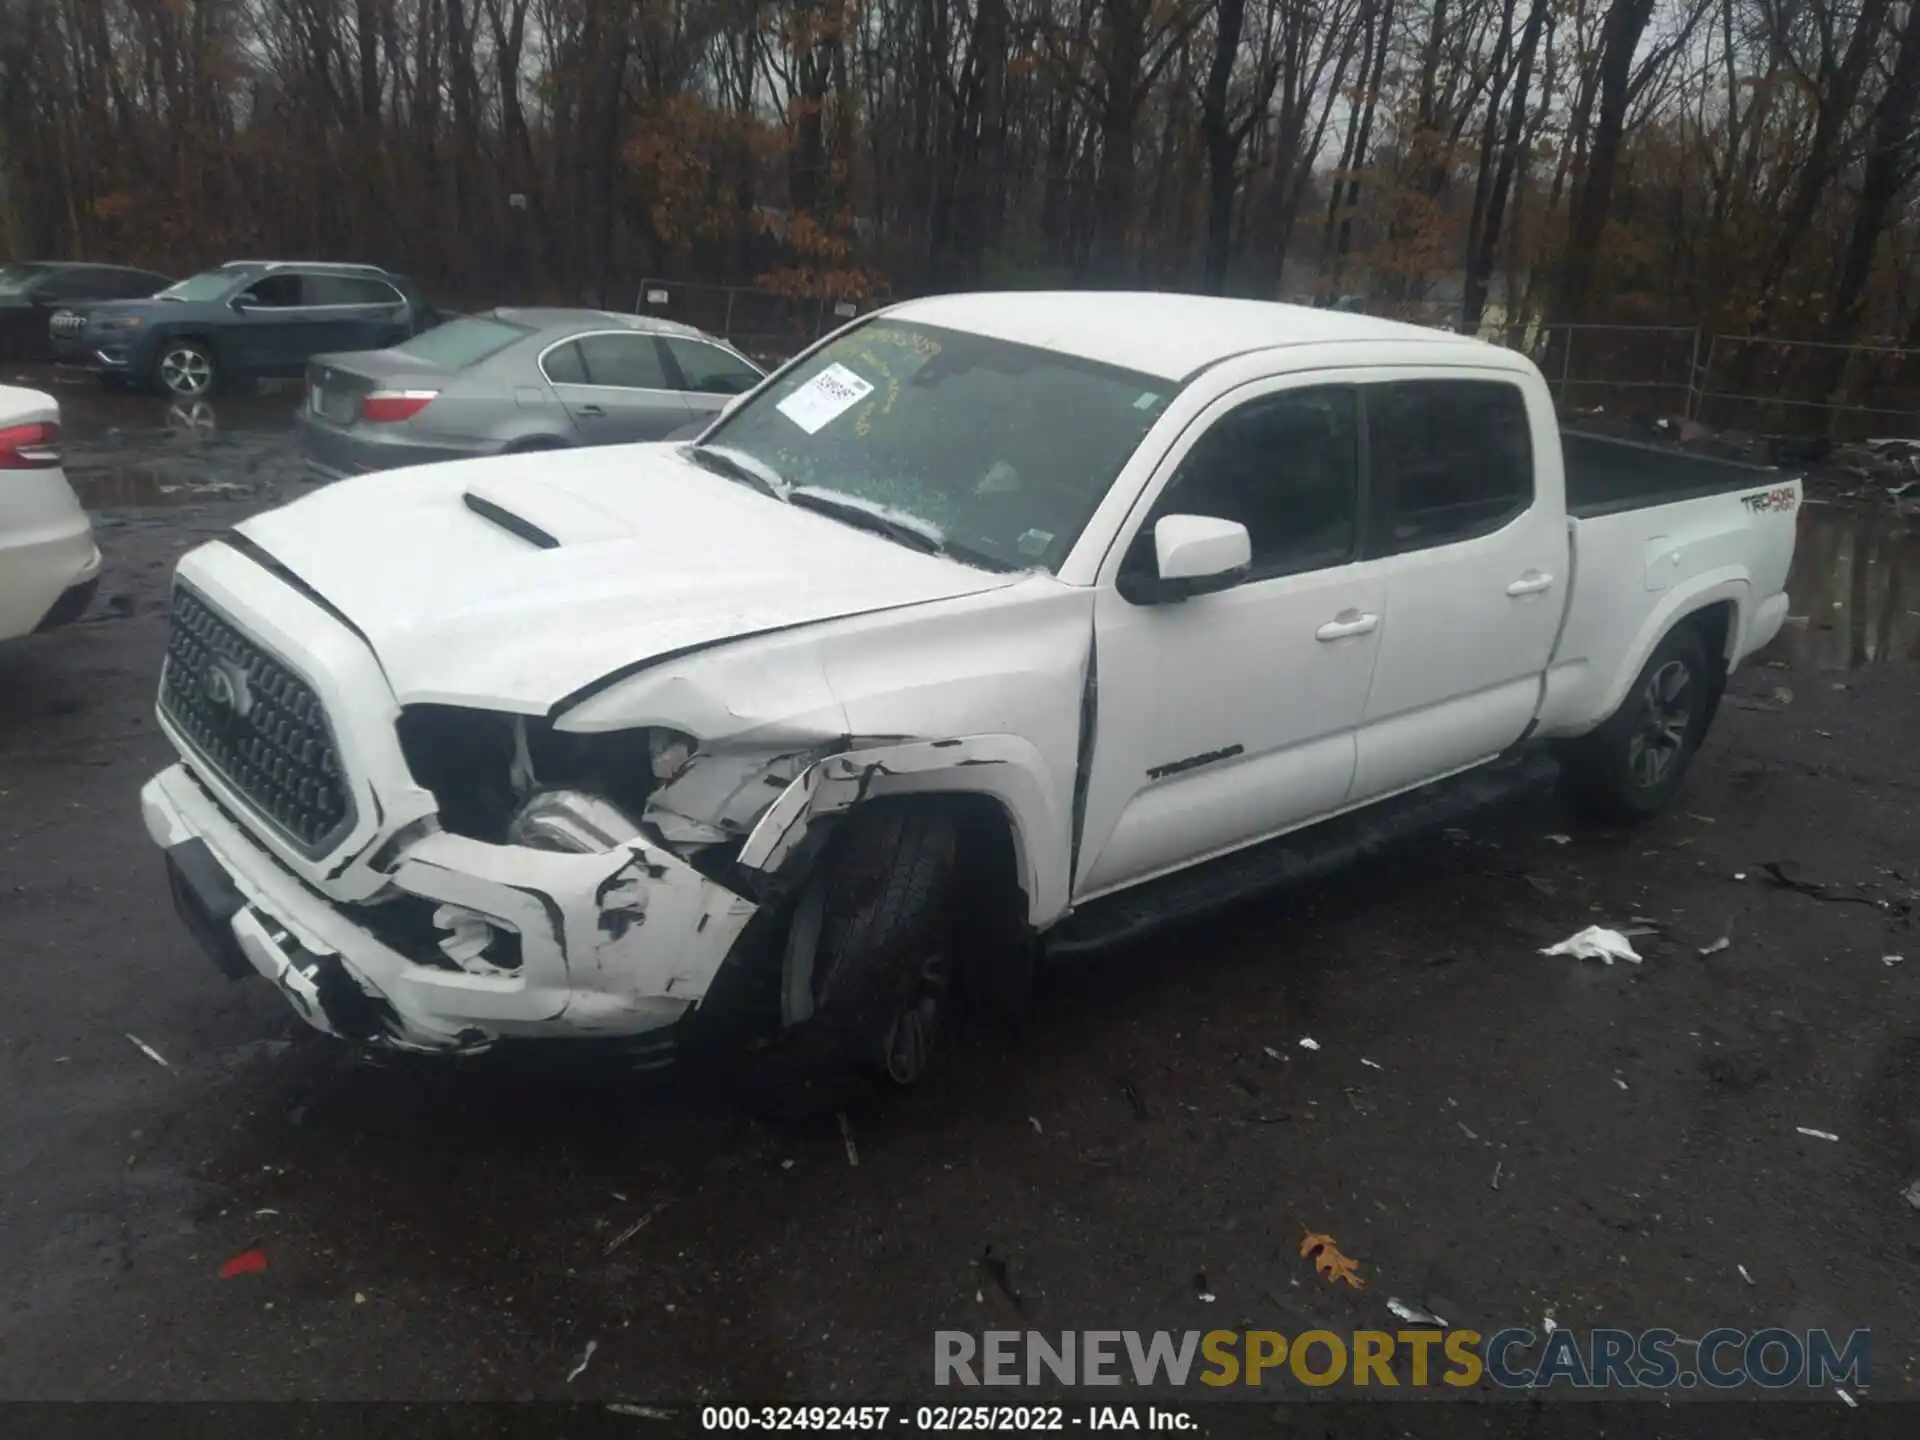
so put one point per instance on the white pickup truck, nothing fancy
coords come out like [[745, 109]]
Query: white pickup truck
[[986, 620]]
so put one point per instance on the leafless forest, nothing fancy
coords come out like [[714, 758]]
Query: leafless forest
[[1747, 166]]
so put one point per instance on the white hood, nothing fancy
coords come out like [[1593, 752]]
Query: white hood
[[625, 554]]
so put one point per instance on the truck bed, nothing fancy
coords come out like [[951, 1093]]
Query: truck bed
[[1606, 474]]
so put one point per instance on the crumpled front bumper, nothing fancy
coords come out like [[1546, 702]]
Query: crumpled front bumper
[[611, 944]]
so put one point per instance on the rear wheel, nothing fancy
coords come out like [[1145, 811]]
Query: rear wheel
[[186, 370], [1634, 764]]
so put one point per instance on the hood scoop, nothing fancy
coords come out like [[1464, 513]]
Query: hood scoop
[[546, 516], [513, 524]]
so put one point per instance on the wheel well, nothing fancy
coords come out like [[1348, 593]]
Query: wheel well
[[533, 443], [1714, 625]]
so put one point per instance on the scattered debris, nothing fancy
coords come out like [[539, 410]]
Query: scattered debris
[[1328, 1260], [1743, 1273], [1200, 1289], [1724, 942], [1034, 1120], [1912, 1195], [1852, 1404], [1133, 1097], [846, 1134], [1891, 960], [641, 1412], [1782, 695], [1559, 839], [359, 1298], [1371, 1064], [259, 1213], [1548, 1323], [1777, 875], [1445, 957], [1307, 1042], [247, 1262], [585, 1356], [1545, 887], [1271, 1053], [1618, 1081], [148, 1051], [1596, 942], [635, 1228], [1413, 1314], [786, 1164], [1817, 1134], [1494, 1183], [1465, 1131]]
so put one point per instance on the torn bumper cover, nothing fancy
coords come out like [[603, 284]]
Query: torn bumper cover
[[469, 943]]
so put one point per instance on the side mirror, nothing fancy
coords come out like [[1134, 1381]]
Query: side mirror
[[1193, 555]]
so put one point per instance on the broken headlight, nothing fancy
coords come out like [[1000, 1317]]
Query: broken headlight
[[571, 820]]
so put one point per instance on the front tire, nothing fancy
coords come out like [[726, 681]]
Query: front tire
[[1633, 766], [185, 369]]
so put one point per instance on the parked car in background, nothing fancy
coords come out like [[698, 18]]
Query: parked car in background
[[244, 321], [49, 565], [511, 380], [31, 293]]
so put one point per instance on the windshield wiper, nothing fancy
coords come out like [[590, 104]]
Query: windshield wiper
[[738, 465], [922, 535]]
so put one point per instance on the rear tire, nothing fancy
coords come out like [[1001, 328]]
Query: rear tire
[[1632, 767]]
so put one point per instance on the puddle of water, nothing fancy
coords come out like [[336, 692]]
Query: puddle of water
[[1854, 590]]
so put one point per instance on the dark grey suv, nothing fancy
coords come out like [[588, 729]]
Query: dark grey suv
[[243, 321]]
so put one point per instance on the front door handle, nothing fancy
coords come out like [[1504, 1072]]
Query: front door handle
[[592, 411], [1531, 583], [1347, 622]]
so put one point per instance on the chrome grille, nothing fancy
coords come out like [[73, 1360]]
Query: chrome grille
[[255, 722]]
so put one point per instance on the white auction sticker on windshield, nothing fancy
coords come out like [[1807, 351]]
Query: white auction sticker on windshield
[[831, 393]]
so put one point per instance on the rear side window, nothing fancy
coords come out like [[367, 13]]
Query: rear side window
[[709, 370], [1450, 459], [1286, 466], [461, 343], [274, 292], [349, 290], [629, 361]]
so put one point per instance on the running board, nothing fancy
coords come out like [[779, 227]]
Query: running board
[[1295, 859]]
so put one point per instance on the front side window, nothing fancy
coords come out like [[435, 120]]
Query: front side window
[[1286, 466], [1450, 459], [709, 370], [19, 279], [1002, 449], [207, 285], [274, 292], [625, 362]]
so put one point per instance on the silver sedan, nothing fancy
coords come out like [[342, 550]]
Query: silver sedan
[[512, 380]]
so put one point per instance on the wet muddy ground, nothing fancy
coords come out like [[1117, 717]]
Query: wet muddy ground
[[1493, 1134]]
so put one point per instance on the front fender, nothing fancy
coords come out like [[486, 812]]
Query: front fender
[[1005, 768]]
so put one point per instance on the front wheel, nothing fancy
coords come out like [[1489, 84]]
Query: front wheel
[[1634, 764], [186, 370]]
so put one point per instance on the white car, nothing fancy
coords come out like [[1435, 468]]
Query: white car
[[49, 565], [993, 625]]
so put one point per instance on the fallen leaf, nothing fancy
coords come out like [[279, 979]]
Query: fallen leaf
[[247, 1262], [1328, 1260]]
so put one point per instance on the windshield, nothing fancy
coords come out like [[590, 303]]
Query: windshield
[[14, 279], [1002, 449], [460, 343], [207, 285]]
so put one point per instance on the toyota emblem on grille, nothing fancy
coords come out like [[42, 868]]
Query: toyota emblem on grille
[[227, 687]]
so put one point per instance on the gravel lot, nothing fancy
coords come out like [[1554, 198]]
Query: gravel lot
[[1492, 1133]]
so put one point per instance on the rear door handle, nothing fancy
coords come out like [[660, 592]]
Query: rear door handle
[[590, 410], [1346, 623], [1532, 583]]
